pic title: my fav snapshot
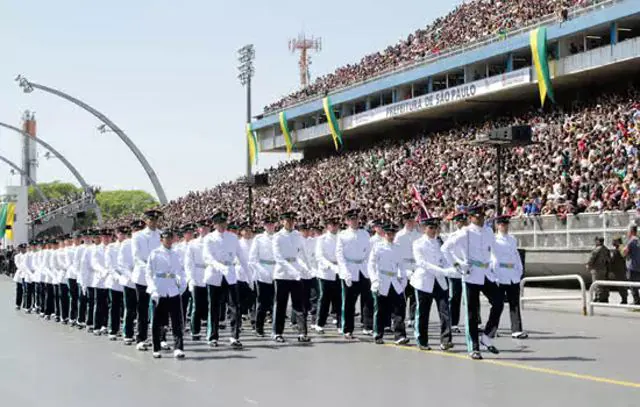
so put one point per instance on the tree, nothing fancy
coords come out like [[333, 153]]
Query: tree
[[54, 190], [115, 204]]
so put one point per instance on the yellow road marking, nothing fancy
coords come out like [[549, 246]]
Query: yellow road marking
[[503, 363]]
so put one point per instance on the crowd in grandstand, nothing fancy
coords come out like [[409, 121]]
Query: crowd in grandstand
[[468, 22], [40, 208]]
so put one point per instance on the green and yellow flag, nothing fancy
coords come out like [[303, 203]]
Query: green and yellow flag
[[285, 132], [334, 126], [538, 42], [11, 217], [3, 218], [254, 149]]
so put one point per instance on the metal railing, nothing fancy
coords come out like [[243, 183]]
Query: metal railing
[[71, 207], [582, 297], [573, 13], [607, 283]]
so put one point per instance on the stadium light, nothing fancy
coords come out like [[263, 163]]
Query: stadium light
[[246, 55]]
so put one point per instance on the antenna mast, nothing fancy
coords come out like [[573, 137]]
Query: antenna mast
[[304, 44]]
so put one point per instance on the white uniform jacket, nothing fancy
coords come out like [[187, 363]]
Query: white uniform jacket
[[18, 260], [165, 276], [61, 265], [194, 265], [404, 239], [99, 265], [326, 256], [458, 252], [506, 260], [243, 275], [375, 239], [45, 263], [142, 243], [352, 253], [70, 254], [86, 269], [471, 248], [29, 272], [125, 264], [78, 258], [261, 258], [289, 254], [310, 253], [219, 251], [112, 281], [385, 269], [431, 265]]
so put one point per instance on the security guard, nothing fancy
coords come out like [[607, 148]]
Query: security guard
[[194, 269], [352, 253], [404, 239], [430, 283], [262, 265], [166, 282], [388, 283], [142, 243], [328, 280], [470, 251], [220, 249], [508, 267], [291, 267]]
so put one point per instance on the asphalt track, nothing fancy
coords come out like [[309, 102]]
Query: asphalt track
[[568, 360]]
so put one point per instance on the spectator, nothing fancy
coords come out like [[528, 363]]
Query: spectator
[[632, 253]]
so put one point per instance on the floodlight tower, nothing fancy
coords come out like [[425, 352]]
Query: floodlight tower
[[304, 44], [246, 55]]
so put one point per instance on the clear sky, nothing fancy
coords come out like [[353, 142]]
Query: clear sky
[[166, 73]]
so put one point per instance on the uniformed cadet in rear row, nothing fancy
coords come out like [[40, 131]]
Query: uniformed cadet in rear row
[[388, 281], [508, 266], [328, 275], [125, 267], [455, 282], [404, 239], [166, 282], [194, 269], [262, 264], [20, 276], [430, 284]]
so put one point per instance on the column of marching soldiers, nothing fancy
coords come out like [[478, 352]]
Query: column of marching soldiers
[[212, 270]]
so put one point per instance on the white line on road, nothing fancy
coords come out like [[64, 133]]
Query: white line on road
[[126, 357], [250, 401], [179, 376]]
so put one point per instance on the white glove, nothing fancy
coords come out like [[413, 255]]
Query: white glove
[[375, 287], [192, 286], [347, 282], [252, 286], [155, 297], [463, 268], [123, 281], [84, 291]]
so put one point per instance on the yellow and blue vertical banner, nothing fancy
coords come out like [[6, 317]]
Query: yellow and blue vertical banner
[[11, 217], [538, 42], [334, 126], [284, 126], [254, 148]]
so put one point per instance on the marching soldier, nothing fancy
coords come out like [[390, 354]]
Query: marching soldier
[[39, 278], [181, 249], [29, 278], [352, 253], [430, 283], [112, 284], [45, 267], [78, 265], [245, 292], [126, 266], [194, 269], [63, 282], [388, 283], [404, 239], [470, 251], [455, 281], [142, 243], [290, 269], [165, 284], [328, 280], [19, 277], [220, 249], [308, 278], [262, 264], [88, 280], [100, 274], [508, 267], [72, 277]]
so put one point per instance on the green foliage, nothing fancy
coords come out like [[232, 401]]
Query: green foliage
[[54, 190], [115, 204]]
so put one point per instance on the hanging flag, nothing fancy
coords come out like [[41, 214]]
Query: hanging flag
[[11, 217], [538, 42], [252, 139], [334, 126], [417, 198], [3, 219], [285, 132]]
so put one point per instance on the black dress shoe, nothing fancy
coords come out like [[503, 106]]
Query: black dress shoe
[[279, 339], [379, 341], [304, 339], [476, 355], [493, 349], [446, 346]]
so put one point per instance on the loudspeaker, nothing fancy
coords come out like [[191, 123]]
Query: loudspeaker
[[260, 180]]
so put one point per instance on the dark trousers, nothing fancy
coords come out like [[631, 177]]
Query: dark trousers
[[283, 290], [167, 308], [392, 305], [307, 287], [362, 289], [512, 292], [29, 295], [634, 276], [423, 309], [185, 298], [247, 301], [130, 299], [41, 291], [410, 296], [49, 300], [73, 298], [83, 304], [114, 311], [314, 294], [56, 299], [265, 292], [492, 292], [101, 311], [63, 299], [142, 300], [217, 295], [330, 294], [199, 308], [19, 293], [455, 298]]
